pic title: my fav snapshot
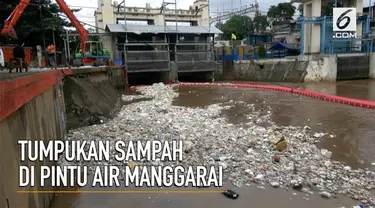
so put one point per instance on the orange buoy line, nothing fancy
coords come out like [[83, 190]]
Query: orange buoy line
[[317, 95]]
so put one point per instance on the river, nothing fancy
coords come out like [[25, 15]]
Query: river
[[354, 144]]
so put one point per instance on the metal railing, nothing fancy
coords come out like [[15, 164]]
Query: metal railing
[[357, 45], [147, 56]]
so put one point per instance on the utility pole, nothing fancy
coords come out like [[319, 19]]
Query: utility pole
[[68, 44], [370, 7], [175, 13], [40, 16], [162, 11], [126, 39], [125, 14], [209, 16], [54, 44]]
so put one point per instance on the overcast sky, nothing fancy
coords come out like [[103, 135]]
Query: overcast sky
[[89, 6]]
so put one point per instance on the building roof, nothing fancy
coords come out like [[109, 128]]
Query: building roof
[[139, 29]]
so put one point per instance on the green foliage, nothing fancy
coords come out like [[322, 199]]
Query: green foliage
[[238, 25], [283, 11], [76, 41], [93, 38], [261, 51], [327, 9], [260, 23], [34, 22], [300, 9]]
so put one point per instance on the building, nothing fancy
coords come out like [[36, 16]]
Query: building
[[317, 30], [287, 31], [108, 13], [371, 12]]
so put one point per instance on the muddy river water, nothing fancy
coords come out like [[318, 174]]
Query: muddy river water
[[354, 145]]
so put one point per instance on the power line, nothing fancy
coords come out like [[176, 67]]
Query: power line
[[243, 11]]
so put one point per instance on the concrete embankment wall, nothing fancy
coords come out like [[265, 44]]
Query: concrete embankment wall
[[33, 108], [301, 69], [89, 99], [372, 66]]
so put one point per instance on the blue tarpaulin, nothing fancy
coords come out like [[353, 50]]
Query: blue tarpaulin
[[283, 46]]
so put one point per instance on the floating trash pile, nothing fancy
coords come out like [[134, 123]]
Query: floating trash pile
[[257, 153]]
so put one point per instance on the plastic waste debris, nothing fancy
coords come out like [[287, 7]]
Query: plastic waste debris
[[132, 164], [245, 150], [231, 194], [281, 145]]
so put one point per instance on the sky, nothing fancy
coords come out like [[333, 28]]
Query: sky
[[216, 6], [88, 6]]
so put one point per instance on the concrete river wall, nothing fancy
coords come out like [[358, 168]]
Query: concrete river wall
[[298, 69], [44, 106]]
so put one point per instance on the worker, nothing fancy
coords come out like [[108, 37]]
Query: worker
[[51, 55], [93, 51], [19, 56]]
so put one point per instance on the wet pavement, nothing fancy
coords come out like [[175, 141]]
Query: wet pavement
[[354, 144]]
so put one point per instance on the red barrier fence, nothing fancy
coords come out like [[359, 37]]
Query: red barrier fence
[[16, 92]]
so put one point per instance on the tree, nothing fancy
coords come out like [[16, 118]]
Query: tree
[[92, 31], [261, 50], [260, 23], [283, 11], [238, 25], [35, 22], [327, 9], [300, 9]]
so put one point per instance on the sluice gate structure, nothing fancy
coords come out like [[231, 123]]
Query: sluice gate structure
[[171, 51]]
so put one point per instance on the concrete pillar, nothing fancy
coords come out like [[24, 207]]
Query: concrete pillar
[[372, 66], [315, 35], [107, 14], [312, 31], [371, 91], [204, 20], [159, 20], [307, 10], [359, 8], [332, 68]]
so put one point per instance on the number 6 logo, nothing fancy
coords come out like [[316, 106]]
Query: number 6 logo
[[344, 19]]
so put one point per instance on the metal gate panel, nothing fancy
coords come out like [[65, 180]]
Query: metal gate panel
[[353, 67], [195, 57], [141, 60]]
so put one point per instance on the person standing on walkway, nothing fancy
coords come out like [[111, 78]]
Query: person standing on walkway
[[19, 56], [51, 55]]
